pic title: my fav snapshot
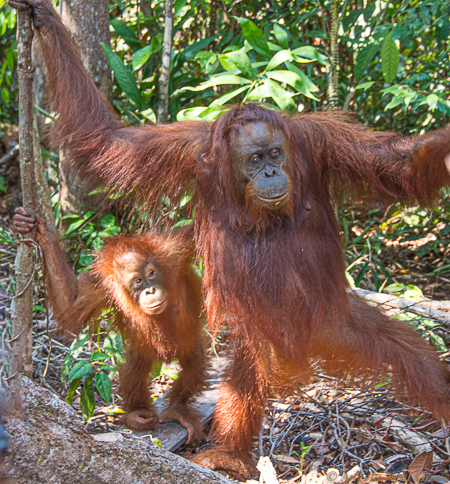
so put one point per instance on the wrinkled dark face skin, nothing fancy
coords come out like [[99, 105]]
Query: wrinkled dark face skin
[[261, 167], [142, 279]]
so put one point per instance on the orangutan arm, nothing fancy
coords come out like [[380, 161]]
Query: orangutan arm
[[144, 161], [404, 169], [75, 302]]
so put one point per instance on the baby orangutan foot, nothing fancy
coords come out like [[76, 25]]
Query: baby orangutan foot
[[140, 420], [220, 459], [188, 418]]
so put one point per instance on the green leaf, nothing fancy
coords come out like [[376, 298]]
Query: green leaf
[[139, 58], [67, 363], [281, 35], [156, 369], [365, 85], [310, 53], [78, 344], [126, 33], [149, 114], [103, 384], [289, 77], [5, 95], [437, 341], [229, 95], [279, 58], [108, 221], [71, 393], [364, 58], [242, 62], [254, 37], [87, 399], [97, 243], [80, 369], [2, 184], [397, 287], [192, 50], [226, 62], [390, 58], [169, 372], [432, 101], [75, 226], [97, 356], [113, 344], [124, 77], [275, 91], [183, 223], [218, 81], [85, 259], [310, 86]]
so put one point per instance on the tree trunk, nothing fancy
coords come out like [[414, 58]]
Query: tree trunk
[[22, 307], [333, 80], [88, 23], [163, 107], [49, 443]]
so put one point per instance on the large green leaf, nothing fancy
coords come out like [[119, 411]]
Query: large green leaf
[[309, 87], [123, 76], [254, 37], [192, 50], [80, 369], [288, 77], [217, 81], [87, 399], [139, 58], [126, 32], [280, 57], [269, 89], [72, 387], [241, 60], [310, 52], [103, 384], [390, 58], [364, 58], [229, 95], [281, 35], [210, 113]]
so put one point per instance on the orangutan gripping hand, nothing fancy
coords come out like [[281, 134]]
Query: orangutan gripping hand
[[157, 300]]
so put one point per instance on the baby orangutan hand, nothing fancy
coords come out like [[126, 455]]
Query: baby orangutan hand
[[140, 420]]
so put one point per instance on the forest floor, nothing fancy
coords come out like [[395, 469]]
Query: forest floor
[[308, 430]]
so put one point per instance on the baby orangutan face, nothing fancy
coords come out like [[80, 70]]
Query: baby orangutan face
[[141, 277]]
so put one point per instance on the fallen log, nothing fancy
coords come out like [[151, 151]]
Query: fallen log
[[48, 443], [171, 433], [403, 304]]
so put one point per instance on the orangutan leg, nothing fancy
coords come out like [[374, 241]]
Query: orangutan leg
[[237, 416], [188, 384], [134, 381], [368, 340]]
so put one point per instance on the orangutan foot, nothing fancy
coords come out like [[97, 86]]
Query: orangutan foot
[[188, 418], [217, 459], [140, 420]]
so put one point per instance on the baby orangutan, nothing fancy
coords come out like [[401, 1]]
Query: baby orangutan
[[157, 301]]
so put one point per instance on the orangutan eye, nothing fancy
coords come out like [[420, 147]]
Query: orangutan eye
[[255, 158], [275, 152], [151, 273], [137, 280]]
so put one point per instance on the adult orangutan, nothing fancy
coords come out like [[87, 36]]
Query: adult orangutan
[[265, 227], [157, 302]]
